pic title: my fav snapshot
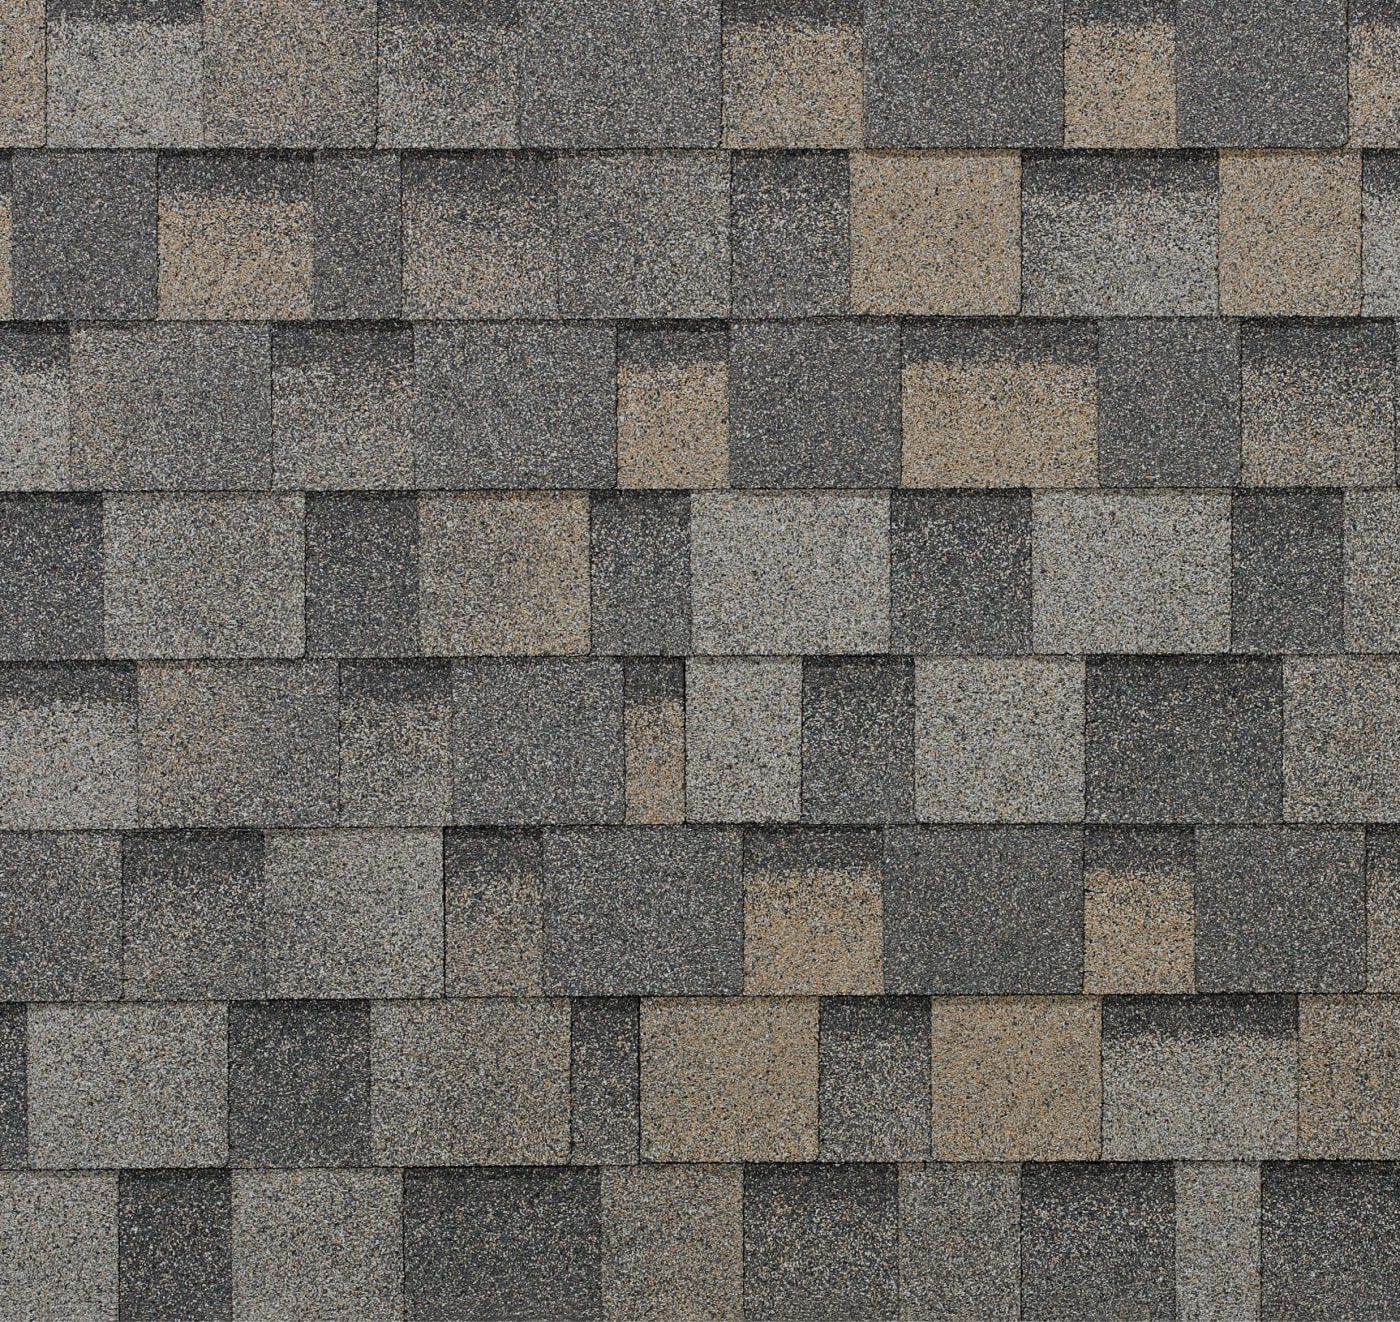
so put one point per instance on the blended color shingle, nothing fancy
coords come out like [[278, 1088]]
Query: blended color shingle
[[728, 659]]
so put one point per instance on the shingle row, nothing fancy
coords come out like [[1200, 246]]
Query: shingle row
[[370, 574], [698, 911], [838, 1241], [548, 1082], [332, 235], [696, 73], [855, 403], [1230, 740]]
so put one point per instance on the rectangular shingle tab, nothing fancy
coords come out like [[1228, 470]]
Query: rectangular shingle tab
[[514, 405], [960, 571], [1126, 234], [342, 406], [51, 576], [640, 600], [1254, 75], [362, 575], [1288, 591], [1097, 1236], [1169, 403], [537, 740], [622, 74], [1280, 909], [316, 1052], [1172, 739], [874, 1078], [524, 1241], [653, 911], [814, 404], [604, 1061], [84, 235], [791, 233], [858, 739], [174, 1231], [941, 75], [983, 909], [169, 407]]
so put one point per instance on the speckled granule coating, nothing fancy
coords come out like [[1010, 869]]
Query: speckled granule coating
[[699, 660]]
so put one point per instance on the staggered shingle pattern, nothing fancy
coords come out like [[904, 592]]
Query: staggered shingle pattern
[[699, 659]]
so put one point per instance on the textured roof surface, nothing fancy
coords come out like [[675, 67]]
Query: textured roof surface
[[699, 660]]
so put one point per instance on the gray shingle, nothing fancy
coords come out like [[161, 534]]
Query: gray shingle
[[395, 743], [515, 405], [14, 1131], [165, 406], [1280, 909], [814, 404], [858, 739], [299, 1083], [50, 576], [1131, 571], [354, 913], [1119, 234], [1317, 402], [194, 915], [241, 744], [493, 882], [68, 746], [1341, 717], [960, 1239], [640, 603], [1169, 403], [313, 1242], [984, 909], [1288, 593], [537, 741], [960, 572], [621, 74], [776, 574], [480, 1081], [361, 575], [652, 911], [603, 1073], [448, 73], [127, 1084], [1205, 1078], [342, 406], [480, 235], [874, 1078], [34, 398], [821, 1241], [60, 1235], [60, 924], [123, 75], [645, 234], [195, 575], [289, 74], [1251, 74], [1097, 1237], [175, 1244], [1326, 1238], [356, 262], [790, 218], [84, 235], [939, 74], [521, 1242], [1183, 740]]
